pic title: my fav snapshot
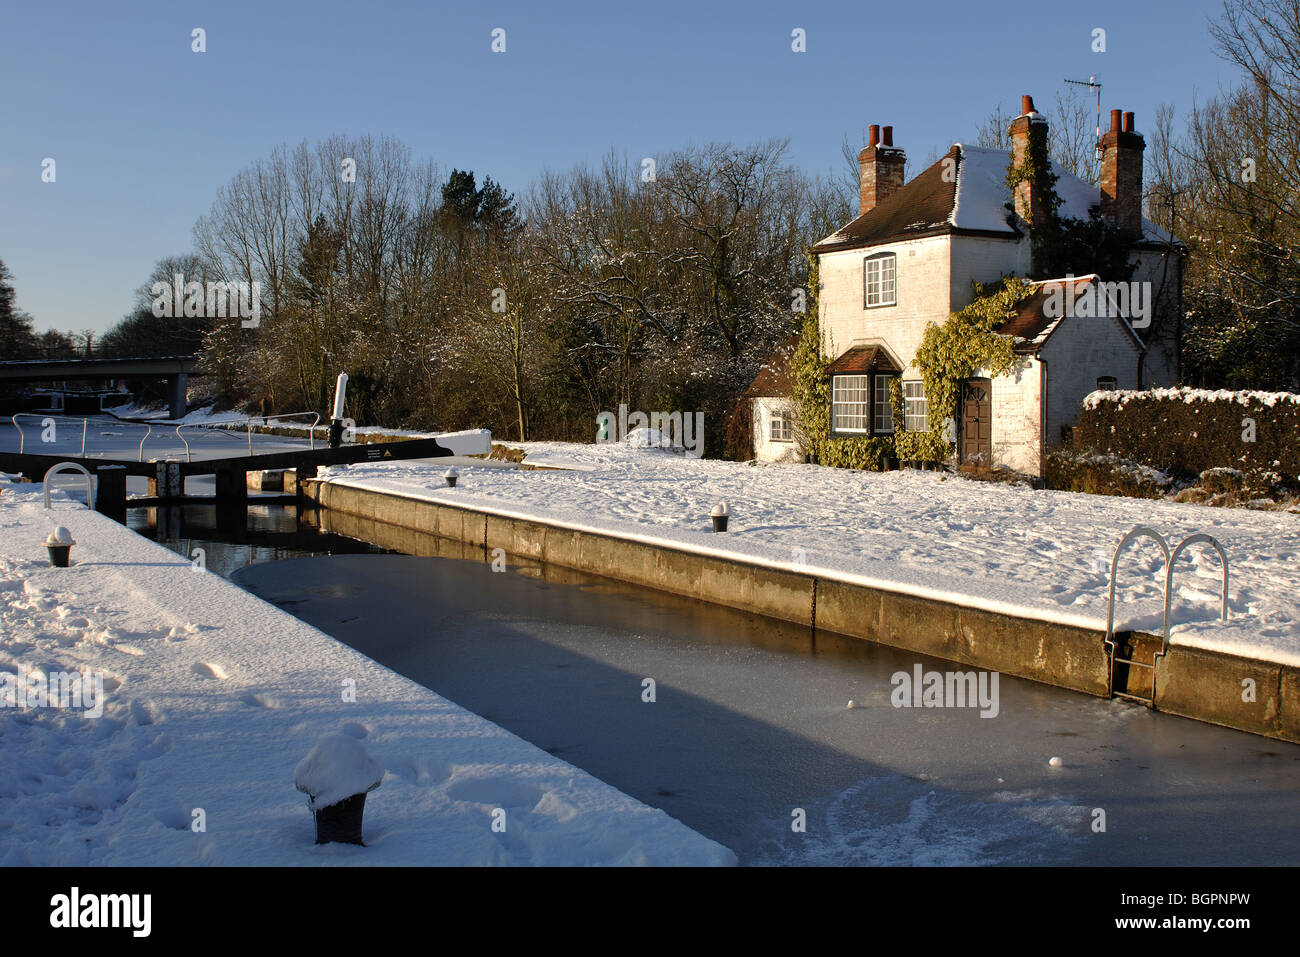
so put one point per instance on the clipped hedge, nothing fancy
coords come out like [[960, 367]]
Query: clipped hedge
[[1185, 432]]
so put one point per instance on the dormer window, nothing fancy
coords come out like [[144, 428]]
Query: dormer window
[[878, 280]]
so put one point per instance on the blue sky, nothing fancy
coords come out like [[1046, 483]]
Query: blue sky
[[144, 131]]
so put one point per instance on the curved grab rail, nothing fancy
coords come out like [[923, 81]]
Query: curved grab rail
[[43, 416], [1169, 575], [311, 429], [148, 432], [14, 419], [248, 424], [1112, 646], [70, 466], [1137, 532], [199, 425]]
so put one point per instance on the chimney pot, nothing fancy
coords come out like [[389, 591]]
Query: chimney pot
[[1121, 173], [880, 169], [1028, 136]]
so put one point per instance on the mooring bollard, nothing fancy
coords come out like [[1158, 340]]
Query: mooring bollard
[[59, 545], [451, 475], [719, 515], [336, 775]]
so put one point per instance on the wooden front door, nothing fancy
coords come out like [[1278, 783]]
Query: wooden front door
[[977, 422]]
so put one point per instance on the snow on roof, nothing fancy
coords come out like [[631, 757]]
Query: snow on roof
[[982, 194], [979, 201]]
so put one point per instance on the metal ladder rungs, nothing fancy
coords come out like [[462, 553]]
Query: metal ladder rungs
[[1170, 559]]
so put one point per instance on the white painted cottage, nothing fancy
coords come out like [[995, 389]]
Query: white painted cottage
[[772, 409], [910, 257]]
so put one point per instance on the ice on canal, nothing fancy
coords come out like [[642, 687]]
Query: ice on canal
[[749, 726], [208, 699]]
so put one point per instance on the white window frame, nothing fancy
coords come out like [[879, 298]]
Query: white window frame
[[882, 410], [916, 406], [781, 429], [1107, 378], [883, 285], [851, 403]]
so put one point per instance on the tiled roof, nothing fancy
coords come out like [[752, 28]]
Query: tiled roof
[[776, 377], [975, 201], [920, 207], [862, 359], [1032, 326]]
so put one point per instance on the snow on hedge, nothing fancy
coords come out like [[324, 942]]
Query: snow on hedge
[[1123, 396]]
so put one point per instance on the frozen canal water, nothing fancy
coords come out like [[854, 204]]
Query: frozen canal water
[[750, 724], [107, 437]]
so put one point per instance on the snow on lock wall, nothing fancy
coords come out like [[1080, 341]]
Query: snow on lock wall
[[1031, 553], [212, 698]]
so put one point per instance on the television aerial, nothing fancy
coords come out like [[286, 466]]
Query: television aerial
[[1093, 83]]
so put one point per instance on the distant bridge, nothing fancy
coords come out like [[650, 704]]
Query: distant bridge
[[175, 369]]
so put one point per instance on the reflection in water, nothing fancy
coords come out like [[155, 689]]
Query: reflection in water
[[230, 541]]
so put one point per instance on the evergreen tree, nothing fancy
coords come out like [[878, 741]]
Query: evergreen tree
[[17, 337]]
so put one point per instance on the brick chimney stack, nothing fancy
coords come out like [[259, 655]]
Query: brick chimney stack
[[880, 168], [1028, 130], [1121, 173]]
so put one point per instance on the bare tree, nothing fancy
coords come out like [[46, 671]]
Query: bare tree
[[1072, 136], [994, 131]]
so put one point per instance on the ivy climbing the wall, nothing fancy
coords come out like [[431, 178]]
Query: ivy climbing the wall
[[960, 348], [812, 398], [1067, 245], [963, 346]]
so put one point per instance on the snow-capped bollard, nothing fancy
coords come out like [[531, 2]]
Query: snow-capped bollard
[[719, 515], [59, 545], [451, 475], [336, 775]]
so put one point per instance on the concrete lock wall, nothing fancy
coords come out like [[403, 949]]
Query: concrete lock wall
[[1194, 683]]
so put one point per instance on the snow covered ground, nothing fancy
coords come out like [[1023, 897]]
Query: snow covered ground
[[1039, 554], [211, 697]]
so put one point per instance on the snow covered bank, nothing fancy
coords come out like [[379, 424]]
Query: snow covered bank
[[1035, 554], [212, 697]]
